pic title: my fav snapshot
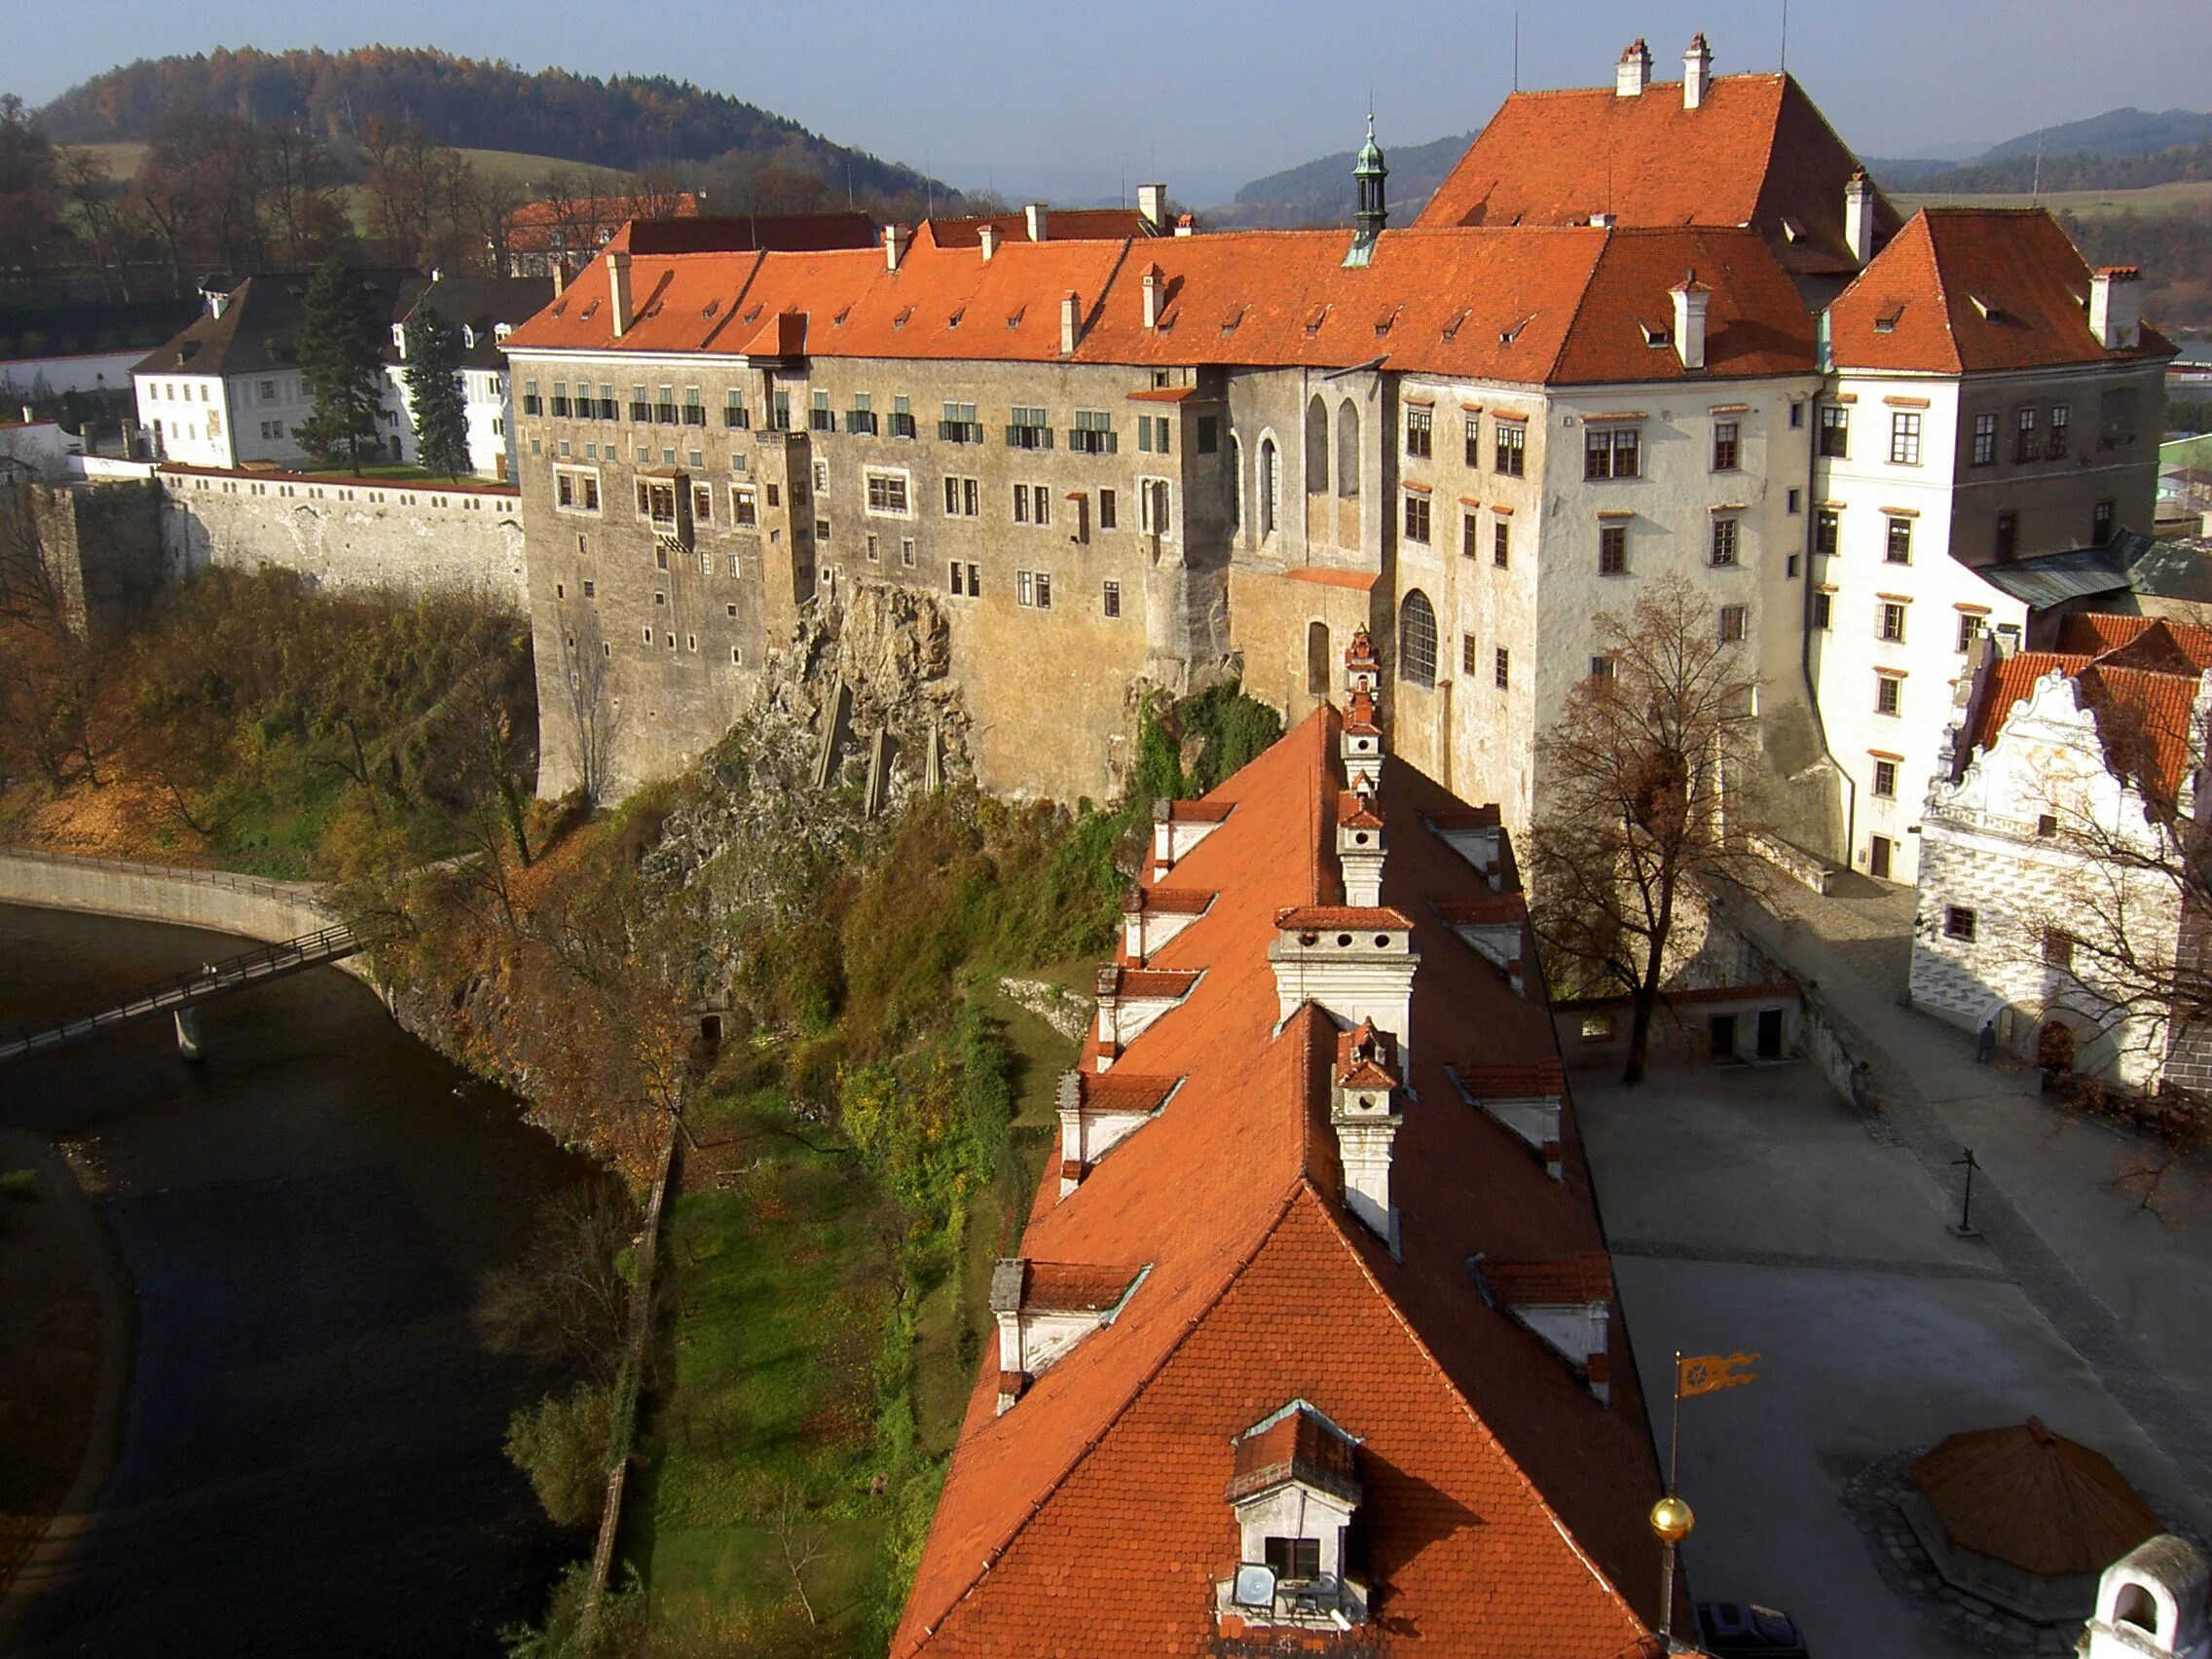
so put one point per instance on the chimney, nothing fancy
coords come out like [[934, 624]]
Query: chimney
[[1039, 225], [1859, 217], [1356, 962], [895, 246], [1186, 224], [1697, 71], [1152, 287], [988, 234], [1364, 1111], [618, 290], [2116, 307], [1071, 322], [1359, 852], [560, 277], [1360, 744], [1691, 298], [1152, 207], [1635, 72]]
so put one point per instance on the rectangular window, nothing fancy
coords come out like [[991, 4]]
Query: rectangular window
[[1470, 536], [887, 494], [1727, 450], [2061, 417], [1152, 434], [860, 417], [559, 399], [1888, 693], [960, 426], [1835, 431], [1985, 440], [1601, 668], [1970, 629], [1725, 541], [1886, 778], [1093, 433], [819, 417], [1512, 446], [733, 410], [1504, 669], [1612, 550], [1823, 610], [1106, 519], [1502, 544], [1044, 590], [780, 410], [1209, 433], [703, 504], [1110, 598], [1021, 503], [2008, 533], [1417, 518], [1958, 922], [1796, 417], [577, 489], [1474, 451], [1024, 588], [2047, 826], [1026, 428], [1470, 656], [641, 405], [531, 404], [1041, 501], [952, 576], [1734, 619], [2101, 520], [822, 529], [1611, 452], [974, 582], [1905, 438], [1795, 504], [744, 507], [1827, 531], [2058, 948], [961, 497], [1295, 1559], [2027, 441], [1420, 434], [1889, 622], [902, 418], [1896, 546], [664, 407], [694, 407]]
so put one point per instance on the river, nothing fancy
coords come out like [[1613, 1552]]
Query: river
[[311, 1459]]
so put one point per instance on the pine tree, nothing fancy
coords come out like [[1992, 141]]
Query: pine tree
[[435, 388], [340, 358]]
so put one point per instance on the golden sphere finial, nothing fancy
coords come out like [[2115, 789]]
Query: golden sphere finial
[[1672, 1519]]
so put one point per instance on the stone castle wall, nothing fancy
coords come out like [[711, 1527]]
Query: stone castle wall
[[345, 533]]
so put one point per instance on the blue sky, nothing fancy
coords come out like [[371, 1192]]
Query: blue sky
[[1071, 98]]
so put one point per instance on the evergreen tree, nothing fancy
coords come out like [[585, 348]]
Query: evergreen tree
[[340, 358], [434, 387]]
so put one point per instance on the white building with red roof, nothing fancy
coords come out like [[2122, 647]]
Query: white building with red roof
[[1313, 1340], [2056, 828]]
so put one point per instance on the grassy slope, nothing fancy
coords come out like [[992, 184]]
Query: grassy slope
[[2087, 204]]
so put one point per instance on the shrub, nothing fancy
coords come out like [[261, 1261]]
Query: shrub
[[560, 1444]]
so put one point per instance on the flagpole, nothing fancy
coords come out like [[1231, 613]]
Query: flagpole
[[1674, 1431]]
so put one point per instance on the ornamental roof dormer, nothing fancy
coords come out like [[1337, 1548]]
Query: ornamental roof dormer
[[1294, 1485], [1152, 917], [1045, 1309]]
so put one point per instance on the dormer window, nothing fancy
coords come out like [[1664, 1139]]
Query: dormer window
[[1294, 1485], [1045, 1309]]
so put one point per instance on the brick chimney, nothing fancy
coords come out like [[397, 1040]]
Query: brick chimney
[[1859, 217], [1691, 297], [1071, 322], [2116, 307], [1152, 293], [894, 237], [1697, 71], [988, 234], [1152, 207], [1038, 222], [1635, 72], [618, 290]]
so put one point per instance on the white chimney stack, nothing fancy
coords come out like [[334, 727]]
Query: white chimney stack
[[1071, 322], [1691, 297], [1859, 217], [560, 277], [618, 290], [1151, 286], [1152, 207], [988, 234], [1185, 225], [1038, 222], [1697, 72], [2116, 307], [1634, 73], [895, 246], [1364, 1110]]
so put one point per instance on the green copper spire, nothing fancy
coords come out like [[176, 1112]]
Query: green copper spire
[[1370, 174]]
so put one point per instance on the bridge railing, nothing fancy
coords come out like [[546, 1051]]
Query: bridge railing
[[290, 892]]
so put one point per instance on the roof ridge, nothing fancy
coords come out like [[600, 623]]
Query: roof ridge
[[1581, 299]]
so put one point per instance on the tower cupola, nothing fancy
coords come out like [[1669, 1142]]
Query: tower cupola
[[1370, 176]]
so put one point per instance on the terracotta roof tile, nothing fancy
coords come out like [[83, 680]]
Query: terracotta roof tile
[[1582, 1279], [1353, 916], [1544, 1081], [1299, 1445], [1485, 909], [1123, 1090], [1071, 1287], [1914, 306]]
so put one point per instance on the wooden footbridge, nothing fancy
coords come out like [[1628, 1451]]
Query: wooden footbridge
[[180, 996]]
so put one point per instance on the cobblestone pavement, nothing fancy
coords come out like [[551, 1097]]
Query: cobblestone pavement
[[2122, 1283]]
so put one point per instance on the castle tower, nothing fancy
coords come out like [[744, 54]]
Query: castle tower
[[1370, 174]]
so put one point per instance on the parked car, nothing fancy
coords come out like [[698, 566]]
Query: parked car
[[1738, 1630]]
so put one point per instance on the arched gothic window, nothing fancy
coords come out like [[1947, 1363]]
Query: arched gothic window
[[1270, 487], [1348, 449], [1316, 447], [1417, 640], [1317, 663]]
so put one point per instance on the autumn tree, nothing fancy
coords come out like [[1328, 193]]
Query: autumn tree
[[343, 363], [1646, 798], [33, 229], [435, 390]]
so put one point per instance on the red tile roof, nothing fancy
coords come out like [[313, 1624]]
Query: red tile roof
[[1355, 917], [1586, 1278], [1963, 289], [1755, 152], [1121, 1090], [1072, 1287], [1528, 306], [1153, 983], [1484, 910], [580, 227], [1061, 224], [1301, 1445], [1090, 1518], [1546, 1079]]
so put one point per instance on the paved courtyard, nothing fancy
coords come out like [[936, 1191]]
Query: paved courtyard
[[1754, 1209]]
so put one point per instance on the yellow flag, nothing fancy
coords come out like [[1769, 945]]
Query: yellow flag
[[1707, 1372]]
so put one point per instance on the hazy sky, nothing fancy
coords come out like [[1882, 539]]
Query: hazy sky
[[1206, 93]]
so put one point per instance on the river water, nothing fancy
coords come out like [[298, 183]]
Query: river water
[[310, 1459]]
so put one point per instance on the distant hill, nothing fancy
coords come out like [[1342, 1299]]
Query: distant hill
[[1320, 193], [624, 121], [2115, 133]]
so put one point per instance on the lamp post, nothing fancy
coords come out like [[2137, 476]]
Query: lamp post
[[1672, 1519], [1964, 1227]]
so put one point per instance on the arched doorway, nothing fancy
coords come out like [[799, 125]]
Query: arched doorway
[[2055, 1048]]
